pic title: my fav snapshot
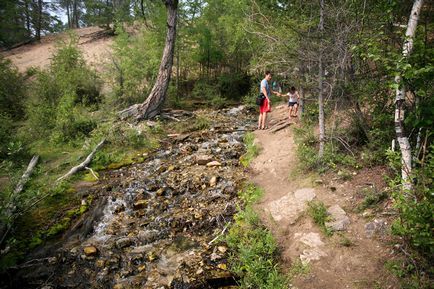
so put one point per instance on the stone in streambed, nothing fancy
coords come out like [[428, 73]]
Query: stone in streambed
[[123, 242], [213, 181], [203, 159], [90, 251], [213, 164], [140, 204]]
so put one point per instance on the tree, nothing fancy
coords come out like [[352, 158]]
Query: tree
[[320, 84], [403, 141], [153, 104]]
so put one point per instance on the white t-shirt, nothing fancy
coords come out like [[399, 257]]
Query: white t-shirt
[[292, 96]]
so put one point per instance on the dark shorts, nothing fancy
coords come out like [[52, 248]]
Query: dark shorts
[[292, 103]]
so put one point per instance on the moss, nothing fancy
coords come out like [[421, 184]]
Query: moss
[[89, 177], [58, 227]]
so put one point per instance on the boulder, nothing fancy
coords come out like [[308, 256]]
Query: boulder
[[340, 219], [376, 227]]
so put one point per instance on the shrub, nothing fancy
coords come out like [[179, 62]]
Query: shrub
[[12, 90], [234, 86], [318, 212], [416, 208], [134, 65], [253, 248], [60, 99]]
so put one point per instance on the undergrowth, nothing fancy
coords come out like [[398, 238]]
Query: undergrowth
[[254, 251], [252, 149], [318, 211]]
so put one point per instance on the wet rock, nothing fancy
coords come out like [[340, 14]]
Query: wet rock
[[90, 251], [340, 219], [213, 181], [140, 204], [203, 159], [376, 227], [213, 164], [147, 236], [141, 250], [236, 110], [100, 263], [222, 249], [123, 242]]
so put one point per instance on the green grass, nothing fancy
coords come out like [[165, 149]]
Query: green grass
[[252, 149], [371, 199], [253, 249], [298, 268], [318, 211]]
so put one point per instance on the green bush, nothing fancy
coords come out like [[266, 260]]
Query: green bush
[[134, 65], [416, 209], [234, 86], [12, 90], [204, 90], [62, 97]]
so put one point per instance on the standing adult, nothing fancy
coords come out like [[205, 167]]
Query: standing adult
[[266, 105], [293, 98]]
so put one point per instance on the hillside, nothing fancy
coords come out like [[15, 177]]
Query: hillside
[[93, 41]]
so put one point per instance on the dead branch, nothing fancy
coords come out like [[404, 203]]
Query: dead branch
[[84, 164], [26, 176]]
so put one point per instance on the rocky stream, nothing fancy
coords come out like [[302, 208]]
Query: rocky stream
[[155, 224]]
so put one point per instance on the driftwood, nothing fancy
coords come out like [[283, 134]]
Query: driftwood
[[26, 176], [11, 206], [84, 164]]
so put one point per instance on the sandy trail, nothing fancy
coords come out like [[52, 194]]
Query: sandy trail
[[283, 210], [92, 42]]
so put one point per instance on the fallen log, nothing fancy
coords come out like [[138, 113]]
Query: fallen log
[[26, 176], [84, 164], [11, 207], [280, 127]]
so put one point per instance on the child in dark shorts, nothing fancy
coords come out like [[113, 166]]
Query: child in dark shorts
[[293, 98]]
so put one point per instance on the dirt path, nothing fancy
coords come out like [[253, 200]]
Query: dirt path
[[348, 259]]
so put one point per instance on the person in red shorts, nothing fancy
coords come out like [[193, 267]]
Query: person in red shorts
[[266, 105]]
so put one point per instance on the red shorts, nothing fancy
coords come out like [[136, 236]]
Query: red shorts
[[265, 107]]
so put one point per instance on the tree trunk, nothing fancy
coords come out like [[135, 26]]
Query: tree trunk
[[320, 84], [403, 141], [27, 12], [39, 21], [68, 14], [74, 14], [153, 104]]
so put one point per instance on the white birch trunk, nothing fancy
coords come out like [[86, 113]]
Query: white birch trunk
[[403, 141], [320, 85]]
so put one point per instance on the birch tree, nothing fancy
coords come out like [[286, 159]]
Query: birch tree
[[320, 83], [403, 141]]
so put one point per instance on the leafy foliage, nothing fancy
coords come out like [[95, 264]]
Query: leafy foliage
[[61, 98], [254, 250]]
